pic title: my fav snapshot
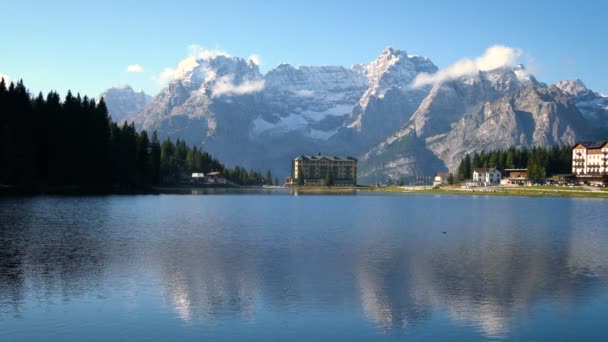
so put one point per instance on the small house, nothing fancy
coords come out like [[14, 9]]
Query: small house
[[216, 178], [442, 178], [516, 177], [198, 178], [487, 176]]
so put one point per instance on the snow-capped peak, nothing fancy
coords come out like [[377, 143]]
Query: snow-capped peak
[[393, 68], [391, 51], [522, 73], [572, 87], [207, 69], [122, 86]]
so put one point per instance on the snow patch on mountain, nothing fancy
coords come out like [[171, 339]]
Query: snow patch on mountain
[[225, 86], [336, 110], [304, 92], [371, 110], [289, 123], [322, 135]]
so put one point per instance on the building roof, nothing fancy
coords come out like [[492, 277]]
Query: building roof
[[591, 144], [322, 156], [443, 174], [215, 174], [516, 170], [484, 169]]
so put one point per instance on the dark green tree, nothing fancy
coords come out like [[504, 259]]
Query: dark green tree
[[464, 169], [268, 177], [329, 179]]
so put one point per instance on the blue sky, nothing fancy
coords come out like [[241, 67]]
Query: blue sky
[[87, 47]]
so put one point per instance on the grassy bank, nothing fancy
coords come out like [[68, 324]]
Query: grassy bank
[[538, 191], [325, 190], [544, 191], [535, 191]]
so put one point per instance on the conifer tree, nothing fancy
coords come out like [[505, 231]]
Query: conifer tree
[[268, 178], [329, 178]]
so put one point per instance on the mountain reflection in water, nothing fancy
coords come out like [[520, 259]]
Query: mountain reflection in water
[[379, 259]]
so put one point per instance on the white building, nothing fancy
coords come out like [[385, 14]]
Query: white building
[[441, 178], [487, 176], [590, 158], [198, 177]]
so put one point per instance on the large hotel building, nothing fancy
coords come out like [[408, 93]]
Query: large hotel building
[[590, 161], [314, 170]]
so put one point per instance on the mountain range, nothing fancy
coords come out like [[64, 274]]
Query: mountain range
[[372, 111], [122, 101]]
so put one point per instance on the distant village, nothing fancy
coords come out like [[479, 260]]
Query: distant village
[[589, 167]]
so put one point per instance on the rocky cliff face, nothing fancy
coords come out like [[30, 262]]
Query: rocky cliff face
[[530, 116], [494, 110], [262, 121], [593, 106], [123, 101], [371, 111]]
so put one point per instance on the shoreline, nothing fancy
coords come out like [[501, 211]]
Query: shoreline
[[534, 191], [540, 191]]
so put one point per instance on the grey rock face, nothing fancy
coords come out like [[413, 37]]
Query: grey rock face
[[370, 111], [289, 110], [402, 154], [188, 107], [123, 101], [592, 105], [495, 110], [530, 116]]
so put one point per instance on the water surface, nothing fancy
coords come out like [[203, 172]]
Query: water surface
[[275, 267]]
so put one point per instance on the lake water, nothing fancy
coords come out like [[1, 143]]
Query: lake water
[[275, 267]]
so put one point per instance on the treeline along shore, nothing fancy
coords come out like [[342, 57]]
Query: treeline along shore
[[540, 162], [52, 145]]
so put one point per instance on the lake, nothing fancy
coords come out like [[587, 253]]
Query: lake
[[275, 267]]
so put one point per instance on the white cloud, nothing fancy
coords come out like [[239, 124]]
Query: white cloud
[[494, 57], [225, 86], [303, 92], [166, 75], [7, 79], [255, 59], [183, 67], [201, 52], [195, 52], [135, 68]]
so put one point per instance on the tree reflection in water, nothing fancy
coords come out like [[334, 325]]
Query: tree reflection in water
[[214, 257]]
